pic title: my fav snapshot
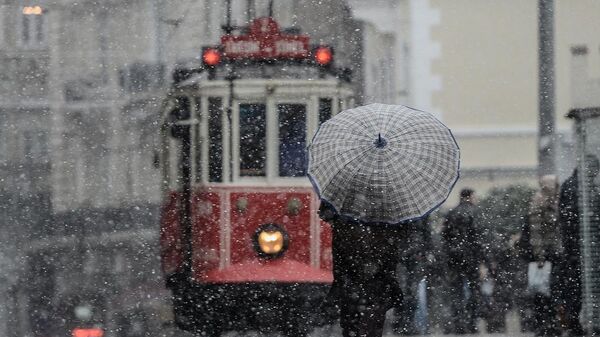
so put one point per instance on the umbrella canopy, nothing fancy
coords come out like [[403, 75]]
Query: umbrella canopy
[[383, 163]]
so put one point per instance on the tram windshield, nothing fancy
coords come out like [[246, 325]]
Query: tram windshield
[[292, 140], [259, 139], [253, 140]]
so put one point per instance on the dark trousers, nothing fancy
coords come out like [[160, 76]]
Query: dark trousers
[[464, 298], [494, 309], [571, 293], [544, 316], [572, 306], [362, 320], [412, 273], [364, 273]]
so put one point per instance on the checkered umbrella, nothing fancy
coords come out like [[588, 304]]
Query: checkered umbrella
[[383, 163]]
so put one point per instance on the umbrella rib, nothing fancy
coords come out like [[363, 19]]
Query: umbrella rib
[[329, 142], [343, 167], [418, 169], [418, 128], [435, 150], [393, 116], [412, 201], [317, 163]]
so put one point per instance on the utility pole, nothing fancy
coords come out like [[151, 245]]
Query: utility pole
[[546, 146]]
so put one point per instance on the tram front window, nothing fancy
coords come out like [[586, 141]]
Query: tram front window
[[253, 140], [215, 139], [324, 109], [292, 140]]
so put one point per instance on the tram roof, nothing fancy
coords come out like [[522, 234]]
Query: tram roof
[[198, 81]]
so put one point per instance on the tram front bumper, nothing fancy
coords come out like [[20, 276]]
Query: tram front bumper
[[250, 306]]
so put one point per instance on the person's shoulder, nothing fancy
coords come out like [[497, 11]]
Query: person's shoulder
[[465, 208], [570, 181], [569, 185], [537, 199], [451, 212]]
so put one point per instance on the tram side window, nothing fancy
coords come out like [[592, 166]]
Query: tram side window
[[179, 143], [215, 139], [292, 140], [324, 109], [253, 140]]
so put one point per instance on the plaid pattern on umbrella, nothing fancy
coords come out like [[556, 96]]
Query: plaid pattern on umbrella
[[383, 163]]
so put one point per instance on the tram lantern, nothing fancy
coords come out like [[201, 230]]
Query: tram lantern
[[323, 55], [211, 57]]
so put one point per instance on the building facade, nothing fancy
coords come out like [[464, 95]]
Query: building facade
[[474, 64]]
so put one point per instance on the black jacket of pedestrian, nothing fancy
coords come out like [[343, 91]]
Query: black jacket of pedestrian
[[364, 285], [569, 216], [570, 270]]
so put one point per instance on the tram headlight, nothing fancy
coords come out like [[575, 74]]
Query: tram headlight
[[270, 241]]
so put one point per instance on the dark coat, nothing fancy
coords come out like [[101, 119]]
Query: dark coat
[[570, 269], [364, 285], [568, 216], [541, 234], [461, 239]]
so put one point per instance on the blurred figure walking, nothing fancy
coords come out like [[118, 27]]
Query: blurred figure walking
[[542, 250], [499, 283], [415, 254], [570, 278], [461, 243]]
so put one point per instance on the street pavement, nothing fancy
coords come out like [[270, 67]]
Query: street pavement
[[513, 330]]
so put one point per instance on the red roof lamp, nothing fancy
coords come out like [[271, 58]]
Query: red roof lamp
[[88, 332], [323, 55], [211, 57]]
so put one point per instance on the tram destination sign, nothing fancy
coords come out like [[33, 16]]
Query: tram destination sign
[[265, 41]]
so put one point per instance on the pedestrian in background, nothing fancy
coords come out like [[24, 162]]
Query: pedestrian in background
[[542, 250], [570, 275], [461, 244], [415, 255], [498, 283]]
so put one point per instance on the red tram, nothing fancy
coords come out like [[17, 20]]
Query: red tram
[[242, 245]]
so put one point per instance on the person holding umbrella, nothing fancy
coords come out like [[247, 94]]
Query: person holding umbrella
[[377, 168]]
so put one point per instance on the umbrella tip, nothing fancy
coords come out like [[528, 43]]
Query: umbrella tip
[[380, 142]]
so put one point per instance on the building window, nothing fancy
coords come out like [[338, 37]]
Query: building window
[[325, 105], [32, 27]]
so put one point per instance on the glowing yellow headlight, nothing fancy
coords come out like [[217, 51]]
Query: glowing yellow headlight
[[270, 242]]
